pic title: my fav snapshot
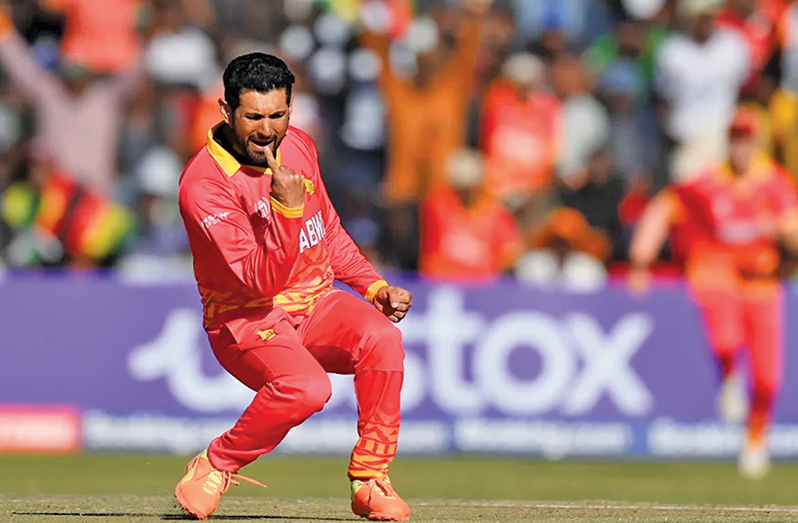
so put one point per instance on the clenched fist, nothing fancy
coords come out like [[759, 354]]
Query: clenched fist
[[394, 302], [288, 187]]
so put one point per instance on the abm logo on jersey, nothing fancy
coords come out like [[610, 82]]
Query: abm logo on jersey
[[312, 233]]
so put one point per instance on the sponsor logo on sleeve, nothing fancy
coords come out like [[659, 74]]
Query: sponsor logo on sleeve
[[213, 219]]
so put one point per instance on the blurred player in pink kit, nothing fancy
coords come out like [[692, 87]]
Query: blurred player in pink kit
[[728, 225]]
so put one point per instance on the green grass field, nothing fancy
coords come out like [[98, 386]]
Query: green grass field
[[122, 488]]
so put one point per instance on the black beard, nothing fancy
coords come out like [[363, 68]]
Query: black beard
[[255, 159], [241, 151]]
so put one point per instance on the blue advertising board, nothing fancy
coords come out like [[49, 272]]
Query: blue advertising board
[[490, 368]]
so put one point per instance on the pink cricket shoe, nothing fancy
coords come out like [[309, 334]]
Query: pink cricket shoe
[[376, 500], [201, 489]]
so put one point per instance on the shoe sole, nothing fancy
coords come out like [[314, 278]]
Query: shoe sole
[[376, 516], [383, 516]]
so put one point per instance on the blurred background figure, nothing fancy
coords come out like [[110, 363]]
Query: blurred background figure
[[783, 105], [78, 115], [465, 233], [596, 193], [585, 121], [566, 254], [756, 21], [592, 106], [699, 71], [426, 80], [632, 137], [728, 225], [57, 222], [100, 34], [520, 131], [160, 247]]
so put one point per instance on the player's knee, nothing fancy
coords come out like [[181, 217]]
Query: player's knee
[[382, 349], [310, 392]]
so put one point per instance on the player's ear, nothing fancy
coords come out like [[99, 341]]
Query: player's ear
[[226, 111]]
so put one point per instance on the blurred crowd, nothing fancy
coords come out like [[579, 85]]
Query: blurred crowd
[[463, 139]]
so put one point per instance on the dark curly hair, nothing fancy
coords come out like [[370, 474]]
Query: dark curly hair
[[257, 72]]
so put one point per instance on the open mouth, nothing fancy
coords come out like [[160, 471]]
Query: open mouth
[[260, 144]]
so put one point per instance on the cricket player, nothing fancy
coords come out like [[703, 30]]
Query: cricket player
[[729, 223], [267, 246]]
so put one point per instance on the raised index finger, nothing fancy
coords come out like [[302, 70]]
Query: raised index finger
[[270, 160]]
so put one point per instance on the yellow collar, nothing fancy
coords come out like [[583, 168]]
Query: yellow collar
[[760, 168], [226, 160]]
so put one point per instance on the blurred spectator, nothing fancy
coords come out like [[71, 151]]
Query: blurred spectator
[[58, 222], [78, 115], [632, 138], [631, 40], [254, 20], [597, 195], [206, 115], [551, 42], [465, 233], [182, 61], [100, 34], [362, 227], [756, 21], [699, 73], [161, 246], [498, 39], [567, 253], [427, 111], [585, 122], [520, 130], [11, 121], [783, 107], [179, 53], [575, 21]]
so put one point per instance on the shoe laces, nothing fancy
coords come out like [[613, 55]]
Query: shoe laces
[[222, 485], [384, 487], [234, 477]]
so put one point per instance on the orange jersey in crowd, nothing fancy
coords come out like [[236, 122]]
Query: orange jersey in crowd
[[520, 139], [462, 243], [100, 34], [251, 253], [724, 229]]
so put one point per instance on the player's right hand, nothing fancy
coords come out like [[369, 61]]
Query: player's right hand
[[288, 187]]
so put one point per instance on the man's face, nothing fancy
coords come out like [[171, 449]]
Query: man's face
[[742, 150], [260, 121]]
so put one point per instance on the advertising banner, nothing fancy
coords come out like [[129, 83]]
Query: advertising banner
[[494, 368]]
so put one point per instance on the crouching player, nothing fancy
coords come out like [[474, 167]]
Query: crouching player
[[267, 246], [729, 223]]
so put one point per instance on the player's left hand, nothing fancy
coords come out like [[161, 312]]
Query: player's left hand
[[394, 302]]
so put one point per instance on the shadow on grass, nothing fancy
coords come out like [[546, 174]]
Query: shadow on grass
[[176, 517]]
